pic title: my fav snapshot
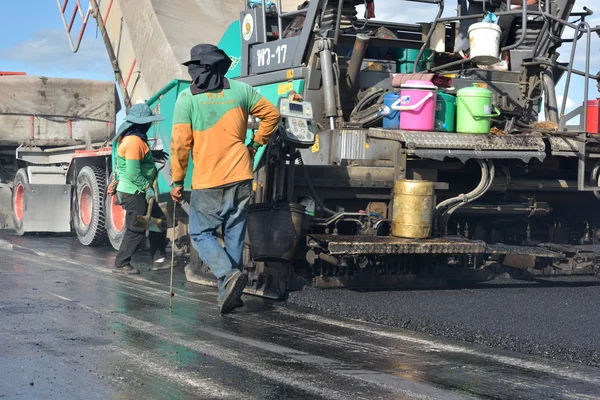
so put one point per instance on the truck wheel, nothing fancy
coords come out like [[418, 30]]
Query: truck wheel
[[18, 200], [115, 221], [88, 207]]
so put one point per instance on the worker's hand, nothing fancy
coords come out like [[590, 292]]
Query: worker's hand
[[112, 188], [251, 150], [160, 155], [293, 96], [150, 194], [177, 193]]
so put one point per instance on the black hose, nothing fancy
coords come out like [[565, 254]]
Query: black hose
[[312, 188]]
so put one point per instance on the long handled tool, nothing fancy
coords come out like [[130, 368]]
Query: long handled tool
[[147, 222], [171, 294]]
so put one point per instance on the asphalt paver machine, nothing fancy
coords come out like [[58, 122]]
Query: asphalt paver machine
[[343, 199]]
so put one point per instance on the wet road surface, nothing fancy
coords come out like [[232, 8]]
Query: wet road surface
[[71, 329]]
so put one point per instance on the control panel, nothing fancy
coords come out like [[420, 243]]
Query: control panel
[[298, 119]]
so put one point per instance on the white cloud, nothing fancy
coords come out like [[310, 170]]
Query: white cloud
[[571, 104], [49, 50]]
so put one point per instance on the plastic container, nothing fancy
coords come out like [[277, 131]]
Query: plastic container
[[417, 106], [474, 110], [592, 124], [445, 113], [484, 38], [275, 232], [391, 118], [405, 60]]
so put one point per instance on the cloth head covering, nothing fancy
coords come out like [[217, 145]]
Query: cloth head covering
[[207, 67]]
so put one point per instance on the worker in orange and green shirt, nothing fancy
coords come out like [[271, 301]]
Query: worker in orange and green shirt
[[134, 177], [210, 121]]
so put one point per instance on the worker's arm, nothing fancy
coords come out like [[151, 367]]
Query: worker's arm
[[134, 156], [268, 114], [182, 139]]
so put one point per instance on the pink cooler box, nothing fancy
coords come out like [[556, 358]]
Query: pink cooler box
[[417, 106]]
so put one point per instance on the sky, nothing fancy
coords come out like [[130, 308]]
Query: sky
[[34, 41]]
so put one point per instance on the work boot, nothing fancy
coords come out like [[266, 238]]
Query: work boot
[[160, 263], [230, 297], [125, 269]]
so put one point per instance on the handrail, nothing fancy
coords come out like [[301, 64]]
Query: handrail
[[68, 26]]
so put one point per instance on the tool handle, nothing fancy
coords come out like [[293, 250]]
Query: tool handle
[[413, 107], [151, 202]]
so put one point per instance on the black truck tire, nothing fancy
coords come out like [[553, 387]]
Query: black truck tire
[[18, 205], [88, 206], [115, 221]]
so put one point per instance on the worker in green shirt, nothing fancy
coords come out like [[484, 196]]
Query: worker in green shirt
[[135, 174]]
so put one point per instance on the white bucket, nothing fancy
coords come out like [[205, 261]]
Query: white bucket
[[484, 38]]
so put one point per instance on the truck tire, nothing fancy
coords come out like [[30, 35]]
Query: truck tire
[[18, 205], [88, 207], [115, 221]]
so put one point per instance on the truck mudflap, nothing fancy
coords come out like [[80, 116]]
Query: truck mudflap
[[47, 208]]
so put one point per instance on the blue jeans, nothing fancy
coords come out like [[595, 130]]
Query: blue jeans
[[227, 207]]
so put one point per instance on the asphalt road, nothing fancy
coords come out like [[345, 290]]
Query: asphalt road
[[70, 329], [555, 318]]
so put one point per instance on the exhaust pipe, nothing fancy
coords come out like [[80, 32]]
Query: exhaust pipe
[[358, 54]]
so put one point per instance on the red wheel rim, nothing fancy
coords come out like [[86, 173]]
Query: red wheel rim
[[18, 202], [85, 205], [118, 215]]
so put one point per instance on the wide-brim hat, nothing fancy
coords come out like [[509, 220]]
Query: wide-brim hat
[[205, 54], [139, 114]]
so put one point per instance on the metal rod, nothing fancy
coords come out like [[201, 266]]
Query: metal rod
[[587, 72], [328, 83], [499, 14], [569, 75], [290, 14], [338, 22], [279, 22], [536, 61], [429, 35], [264, 19], [171, 294], [111, 53]]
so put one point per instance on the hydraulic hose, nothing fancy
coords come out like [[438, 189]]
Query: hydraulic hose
[[452, 204], [318, 200], [596, 179], [471, 197]]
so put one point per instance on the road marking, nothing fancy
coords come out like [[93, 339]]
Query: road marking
[[61, 297]]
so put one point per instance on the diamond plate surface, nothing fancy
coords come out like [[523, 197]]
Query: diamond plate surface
[[563, 144], [442, 140], [382, 245], [464, 155]]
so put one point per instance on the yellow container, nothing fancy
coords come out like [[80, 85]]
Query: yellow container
[[412, 215]]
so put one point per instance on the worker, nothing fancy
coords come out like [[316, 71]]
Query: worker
[[210, 121], [134, 177]]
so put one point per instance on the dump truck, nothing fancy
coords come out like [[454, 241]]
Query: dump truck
[[343, 199], [50, 130]]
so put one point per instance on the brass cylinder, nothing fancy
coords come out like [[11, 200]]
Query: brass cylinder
[[412, 215]]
